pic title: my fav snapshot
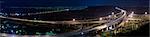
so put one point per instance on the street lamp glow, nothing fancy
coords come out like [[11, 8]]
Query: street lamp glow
[[131, 15], [100, 18], [82, 33], [17, 14], [123, 11], [127, 21], [34, 18], [67, 9], [145, 12], [110, 27], [132, 12], [112, 13], [12, 31], [109, 15], [73, 19]]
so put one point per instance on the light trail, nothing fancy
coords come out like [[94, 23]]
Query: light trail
[[98, 27], [52, 22], [87, 29]]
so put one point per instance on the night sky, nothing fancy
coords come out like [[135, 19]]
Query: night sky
[[48, 3]]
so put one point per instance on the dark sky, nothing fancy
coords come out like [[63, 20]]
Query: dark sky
[[47, 3]]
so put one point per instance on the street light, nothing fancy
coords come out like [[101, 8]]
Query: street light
[[126, 21], [145, 12], [67, 9], [132, 12], [115, 16], [17, 14], [131, 15], [73, 19], [110, 27], [82, 33], [109, 15], [100, 18], [34, 18], [112, 13]]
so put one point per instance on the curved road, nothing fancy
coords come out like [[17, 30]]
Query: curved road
[[98, 27], [76, 22]]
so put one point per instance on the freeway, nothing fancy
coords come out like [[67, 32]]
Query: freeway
[[107, 24], [82, 31], [110, 23], [62, 22], [53, 22]]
